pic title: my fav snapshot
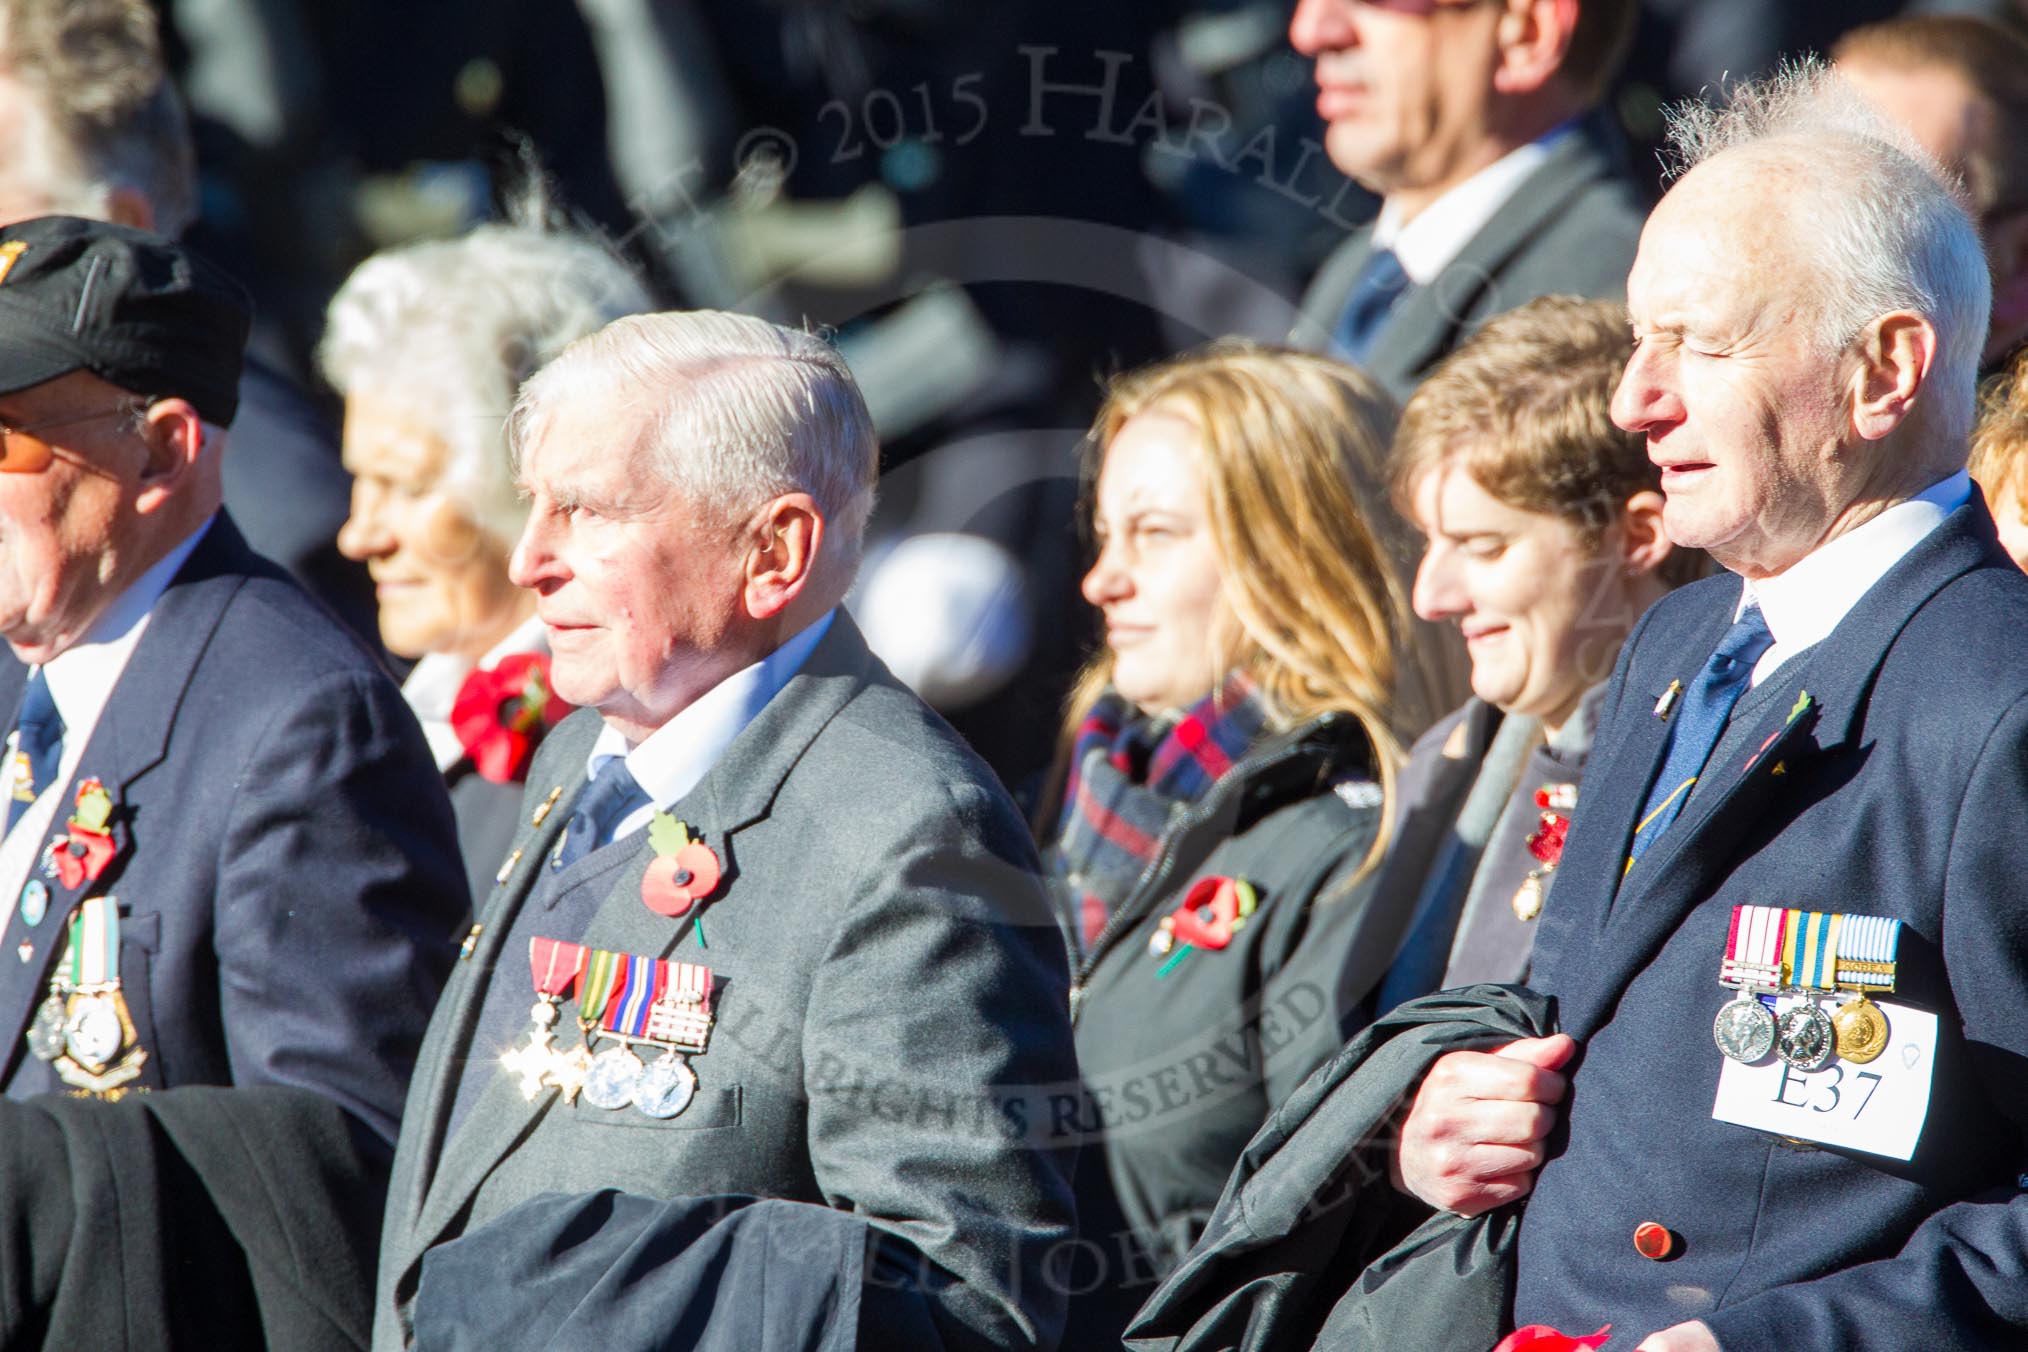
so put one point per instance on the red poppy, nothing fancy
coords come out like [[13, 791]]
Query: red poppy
[[83, 856], [501, 714], [1212, 909], [1542, 1338], [1546, 842], [676, 882]]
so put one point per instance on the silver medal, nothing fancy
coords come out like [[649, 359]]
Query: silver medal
[[665, 1087], [45, 1035], [1805, 1038], [93, 1034], [1744, 1029], [615, 1072]]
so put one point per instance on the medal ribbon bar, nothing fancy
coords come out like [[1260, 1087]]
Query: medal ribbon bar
[[1866, 954], [643, 983], [595, 986], [554, 964], [95, 944], [1812, 945], [682, 1017], [1754, 947]]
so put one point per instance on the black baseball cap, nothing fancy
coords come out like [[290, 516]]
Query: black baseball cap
[[134, 309]]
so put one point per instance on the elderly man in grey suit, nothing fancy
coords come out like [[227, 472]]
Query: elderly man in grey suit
[[767, 929], [1471, 120]]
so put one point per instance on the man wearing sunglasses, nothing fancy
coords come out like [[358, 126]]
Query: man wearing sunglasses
[[227, 859], [1472, 120]]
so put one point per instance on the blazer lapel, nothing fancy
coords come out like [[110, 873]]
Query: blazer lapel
[[500, 1117], [734, 794], [130, 738], [1740, 799], [1431, 318], [427, 1117]]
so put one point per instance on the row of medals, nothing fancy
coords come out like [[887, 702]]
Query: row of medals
[[617, 1078], [1804, 1035]]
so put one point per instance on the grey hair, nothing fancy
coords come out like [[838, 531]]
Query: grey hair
[[106, 115], [447, 330], [1889, 227], [736, 410]]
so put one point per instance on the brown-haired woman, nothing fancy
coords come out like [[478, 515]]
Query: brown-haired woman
[[1223, 786], [1545, 544]]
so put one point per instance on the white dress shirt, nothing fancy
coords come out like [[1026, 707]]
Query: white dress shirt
[[1804, 604], [677, 755], [433, 684], [1441, 230], [81, 681]]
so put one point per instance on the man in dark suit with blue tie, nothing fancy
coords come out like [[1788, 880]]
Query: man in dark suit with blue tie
[[1476, 122], [229, 860], [1802, 834]]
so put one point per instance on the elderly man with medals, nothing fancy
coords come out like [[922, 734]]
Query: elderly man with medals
[[221, 865], [767, 934], [1800, 833]]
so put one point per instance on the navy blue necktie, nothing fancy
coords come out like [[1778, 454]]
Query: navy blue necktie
[[1700, 718], [606, 802], [38, 747], [1381, 283]]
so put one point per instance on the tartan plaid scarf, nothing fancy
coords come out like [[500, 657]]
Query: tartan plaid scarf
[[1129, 775]]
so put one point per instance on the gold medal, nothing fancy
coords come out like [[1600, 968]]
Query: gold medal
[[1861, 1029], [1528, 897]]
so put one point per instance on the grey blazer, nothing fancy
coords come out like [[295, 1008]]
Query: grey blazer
[[892, 995], [1570, 229]]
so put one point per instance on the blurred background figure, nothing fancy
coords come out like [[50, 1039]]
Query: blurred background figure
[[1545, 544], [1960, 83], [95, 128], [2000, 457], [1222, 780], [428, 344], [990, 211], [1474, 123]]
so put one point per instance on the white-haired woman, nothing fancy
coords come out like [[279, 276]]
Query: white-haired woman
[[428, 343]]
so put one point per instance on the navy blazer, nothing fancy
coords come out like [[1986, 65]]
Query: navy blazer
[[1901, 789], [287, 876]]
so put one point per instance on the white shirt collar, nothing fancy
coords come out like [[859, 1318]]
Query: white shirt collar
[[677, 755], [82, 677], [1804, 604], [433, 684], [1441, 230]]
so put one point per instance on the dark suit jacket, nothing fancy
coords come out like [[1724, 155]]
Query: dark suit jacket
[[194, 1217], [1569, 229], [892, 996], [287, 877], [1901, 790], [487, 814]]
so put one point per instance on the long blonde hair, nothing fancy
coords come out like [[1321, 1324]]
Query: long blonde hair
[[1291, 444]]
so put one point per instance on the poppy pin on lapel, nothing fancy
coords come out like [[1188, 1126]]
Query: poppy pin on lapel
[[82, 854], [684, 872]]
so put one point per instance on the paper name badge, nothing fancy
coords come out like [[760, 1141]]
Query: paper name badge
[[1877, 1106]]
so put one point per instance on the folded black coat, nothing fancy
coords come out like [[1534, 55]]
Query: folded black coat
[[1306, 1247], [191, 1217], [624, 1273]]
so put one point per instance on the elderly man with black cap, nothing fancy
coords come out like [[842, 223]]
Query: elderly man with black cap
[[227, 859]]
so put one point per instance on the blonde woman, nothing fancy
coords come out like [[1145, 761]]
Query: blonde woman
[[1222, 793], [2000, 456]]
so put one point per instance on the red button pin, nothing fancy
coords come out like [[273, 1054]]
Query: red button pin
[[1654, 1241]]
